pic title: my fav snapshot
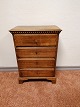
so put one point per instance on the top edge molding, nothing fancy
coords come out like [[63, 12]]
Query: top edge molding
[[35, 30]]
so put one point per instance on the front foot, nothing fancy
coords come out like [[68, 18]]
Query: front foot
[[20, 81]]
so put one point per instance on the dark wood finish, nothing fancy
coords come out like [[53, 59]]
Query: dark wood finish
[[35, 40], [31, 52], [36, 51]]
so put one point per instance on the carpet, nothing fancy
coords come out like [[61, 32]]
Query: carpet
[[65, 93]]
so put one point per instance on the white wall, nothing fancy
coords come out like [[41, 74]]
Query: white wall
[[63, 13]]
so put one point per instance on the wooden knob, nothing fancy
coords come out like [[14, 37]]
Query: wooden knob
[[36, 63], [36, 52], [36, 41]]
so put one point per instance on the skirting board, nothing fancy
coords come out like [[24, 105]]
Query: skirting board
[[57, 68]]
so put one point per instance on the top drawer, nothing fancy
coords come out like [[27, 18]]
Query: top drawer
[[35, 40]]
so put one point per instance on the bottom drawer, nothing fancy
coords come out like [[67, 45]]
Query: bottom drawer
[[37, 72]]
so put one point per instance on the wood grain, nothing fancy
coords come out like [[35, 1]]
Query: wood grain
[[35, 40], [36, 51], [35, 62], [39, 72], [26, 52], [36, 28]]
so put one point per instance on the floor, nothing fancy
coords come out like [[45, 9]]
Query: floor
[[65, 93]]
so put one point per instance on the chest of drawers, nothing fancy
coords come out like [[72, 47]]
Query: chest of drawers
[[36, 51]]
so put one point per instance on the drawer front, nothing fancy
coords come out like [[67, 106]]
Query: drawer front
[[36, 62], [46, 72], [35, 40], [25, 52]]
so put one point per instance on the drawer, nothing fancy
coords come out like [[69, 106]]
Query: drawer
[[35, 62], [24, 52], [35, 40], [37, 72]]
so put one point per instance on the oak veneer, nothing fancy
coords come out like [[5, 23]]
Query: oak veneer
[[36, 51]]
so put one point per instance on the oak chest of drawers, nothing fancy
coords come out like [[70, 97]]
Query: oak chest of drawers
[[36, 51]]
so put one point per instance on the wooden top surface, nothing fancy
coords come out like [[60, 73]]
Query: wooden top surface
[[36, 28]]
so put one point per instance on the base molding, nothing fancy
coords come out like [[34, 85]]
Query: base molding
[[22, 79], [57, 68], [68, 68]]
